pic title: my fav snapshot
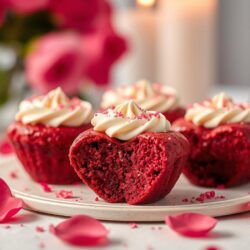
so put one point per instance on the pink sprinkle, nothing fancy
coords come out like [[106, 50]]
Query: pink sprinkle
[[40, 229], [206, 196], [133, 225], [46, 188], [63, 194], [96, 199], [13, 175]]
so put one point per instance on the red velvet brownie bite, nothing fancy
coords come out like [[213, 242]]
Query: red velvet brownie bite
[[219, 134], [43, 132], [130, 155], [149, 96]]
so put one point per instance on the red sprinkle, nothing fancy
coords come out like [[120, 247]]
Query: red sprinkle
[[46, 188], [63, 194], [212, 248], [13, 175], [133, 225], [40, 229]]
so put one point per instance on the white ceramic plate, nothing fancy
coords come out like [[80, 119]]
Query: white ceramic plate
[[84, 202]]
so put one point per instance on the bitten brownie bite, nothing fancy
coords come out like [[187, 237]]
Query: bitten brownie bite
[[43, 132], [130, 155], [219, 134], [149, 96]]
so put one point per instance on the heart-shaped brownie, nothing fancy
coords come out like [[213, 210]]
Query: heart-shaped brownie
[[141, 170], [219, 156]]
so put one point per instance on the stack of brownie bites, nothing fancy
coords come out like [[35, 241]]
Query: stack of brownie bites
[[128, 151]]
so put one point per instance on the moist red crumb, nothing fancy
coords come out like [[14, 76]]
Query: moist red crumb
[[63, 194], [185, 200], [139, 171], [43, 151], [96, 199], [219, 157], [7, 227], [133, 225], [46, 188], [40, 229]]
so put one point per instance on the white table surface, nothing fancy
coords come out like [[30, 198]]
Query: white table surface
[[231, 233]]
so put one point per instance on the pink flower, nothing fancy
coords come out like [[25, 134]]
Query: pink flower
[[27, 6], [102, 49], [2, 11], [57, 60], [79, 14]]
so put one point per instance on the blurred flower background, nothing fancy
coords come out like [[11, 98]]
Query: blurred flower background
[[49, 43], [86, 46]]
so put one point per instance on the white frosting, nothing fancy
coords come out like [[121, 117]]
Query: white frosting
[[128, 120], [55, 109], [219, 110], [148, 96]]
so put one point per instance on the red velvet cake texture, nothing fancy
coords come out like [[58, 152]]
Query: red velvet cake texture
[[219, 156], [43, 151], [141, 170]]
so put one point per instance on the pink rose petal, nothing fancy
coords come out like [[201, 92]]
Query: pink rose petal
[[9, 205], [191, 224], [81, 230], [5, 147]]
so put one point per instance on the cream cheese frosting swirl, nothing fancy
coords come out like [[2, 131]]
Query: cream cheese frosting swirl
[[219, 110], [148, 96], [55, 109], [128, 120]]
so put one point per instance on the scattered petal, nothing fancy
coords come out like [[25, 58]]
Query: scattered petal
[[133, 225], [46, 188], [81, 230], [191, 224], [5, 147], [40, 229], [63, 194], [9, 205]]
